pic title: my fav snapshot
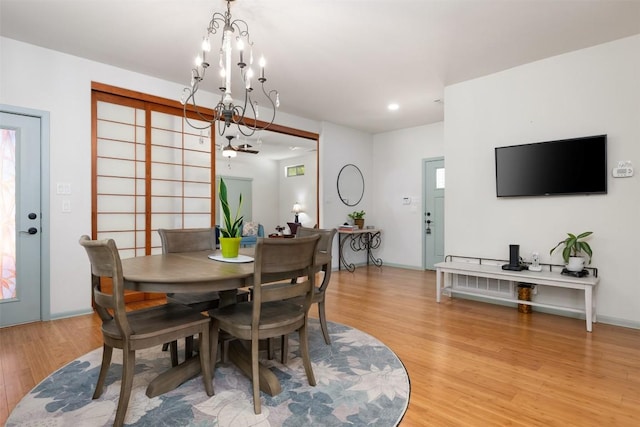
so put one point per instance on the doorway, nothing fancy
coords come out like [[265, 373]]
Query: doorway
[[235, 187], [433, 185], [24, 284]]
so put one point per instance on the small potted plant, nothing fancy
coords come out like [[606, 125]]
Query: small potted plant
[[358, 218], [231, 232], [574, 246]]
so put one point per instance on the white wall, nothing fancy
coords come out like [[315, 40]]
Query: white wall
[[42, 79], [587, 92], [397, 162], [264, 175], [298, 189], [339, 146]]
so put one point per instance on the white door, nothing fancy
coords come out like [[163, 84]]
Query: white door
[[20, 219], [433, 223]]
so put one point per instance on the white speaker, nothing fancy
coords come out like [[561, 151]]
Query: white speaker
[[535, 262]]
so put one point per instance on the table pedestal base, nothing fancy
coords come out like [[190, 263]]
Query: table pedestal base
[[241, 357], [238, 355]]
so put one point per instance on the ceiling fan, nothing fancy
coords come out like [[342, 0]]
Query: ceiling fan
[[241, 148]]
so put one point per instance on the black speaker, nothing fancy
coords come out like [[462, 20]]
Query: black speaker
[[514, 259], [514, 255]]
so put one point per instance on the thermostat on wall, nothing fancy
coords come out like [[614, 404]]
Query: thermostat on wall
[[623, 170]]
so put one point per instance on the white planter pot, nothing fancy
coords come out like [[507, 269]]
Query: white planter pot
[[576, 263]]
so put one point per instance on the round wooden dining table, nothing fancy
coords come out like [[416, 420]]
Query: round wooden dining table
[[186, 272], [195, 272]]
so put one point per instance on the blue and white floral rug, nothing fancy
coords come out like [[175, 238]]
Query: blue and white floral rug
[[361, 382]]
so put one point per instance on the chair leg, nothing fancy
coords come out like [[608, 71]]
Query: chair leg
[[104, 368], [255, 375], [128, 368], [270, 348], [205, 364], [224, 350], [214, 331], [188, 347], [323, 323], [306, 359], [284, 349], [173, 347]]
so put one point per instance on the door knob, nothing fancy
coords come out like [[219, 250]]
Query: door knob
[[32, 216], [31, 230]]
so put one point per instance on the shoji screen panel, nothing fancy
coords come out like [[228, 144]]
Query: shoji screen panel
[[181, 188], [120, 157], [150, 170]]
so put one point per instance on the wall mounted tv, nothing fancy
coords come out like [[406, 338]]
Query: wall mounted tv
[[568, 166]]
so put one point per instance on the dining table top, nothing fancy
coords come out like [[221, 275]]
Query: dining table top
[[185, 272], [192, 272]]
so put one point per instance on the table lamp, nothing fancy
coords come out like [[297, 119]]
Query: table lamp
[[296, 210]]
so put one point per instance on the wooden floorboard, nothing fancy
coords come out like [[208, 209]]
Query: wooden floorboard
[[470, 363]]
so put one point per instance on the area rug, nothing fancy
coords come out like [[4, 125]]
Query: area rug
[[360, 382]]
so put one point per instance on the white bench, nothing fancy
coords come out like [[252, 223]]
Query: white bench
[[544, 278]]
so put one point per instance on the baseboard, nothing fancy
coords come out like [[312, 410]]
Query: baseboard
[[406, 267], [601, 319], [364, 264], [625, 323], [71, 314]]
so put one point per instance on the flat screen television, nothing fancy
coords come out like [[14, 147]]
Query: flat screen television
[[568, 166]]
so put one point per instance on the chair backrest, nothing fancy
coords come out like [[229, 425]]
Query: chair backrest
[[187, 239], [326, 237], [282, 259], [106, 264]]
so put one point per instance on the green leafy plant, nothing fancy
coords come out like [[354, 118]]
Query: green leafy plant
[[356, 215], [574, 246], [232, 228]]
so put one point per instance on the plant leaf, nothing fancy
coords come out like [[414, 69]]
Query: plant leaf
[[566, 253], [584, 247], [556, 246], [585, 234]]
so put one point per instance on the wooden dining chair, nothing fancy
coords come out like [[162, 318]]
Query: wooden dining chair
[[269, 314], [139, 329], [323, 263], [192, 240]]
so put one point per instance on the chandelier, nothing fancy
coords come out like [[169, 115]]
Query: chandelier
[[226, 112]]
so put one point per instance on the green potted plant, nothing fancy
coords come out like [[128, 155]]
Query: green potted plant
[[358, 218], [231, 231], [574, 246]]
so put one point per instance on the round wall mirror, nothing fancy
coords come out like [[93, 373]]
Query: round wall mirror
[[350, 185]]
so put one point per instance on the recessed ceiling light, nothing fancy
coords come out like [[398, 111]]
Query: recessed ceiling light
[[393, 106]]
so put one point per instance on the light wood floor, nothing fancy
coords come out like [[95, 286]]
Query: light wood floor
[[470, 363]]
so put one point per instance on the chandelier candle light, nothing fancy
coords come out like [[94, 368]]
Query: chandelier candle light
[[245, 116]]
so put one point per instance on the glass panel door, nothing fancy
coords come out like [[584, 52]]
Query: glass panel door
[[20, 219], [8, 213]]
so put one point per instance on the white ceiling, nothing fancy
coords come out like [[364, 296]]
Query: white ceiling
[[341, 61]]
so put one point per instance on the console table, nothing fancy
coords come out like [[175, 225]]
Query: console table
[[543, 278], [359, 240]]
